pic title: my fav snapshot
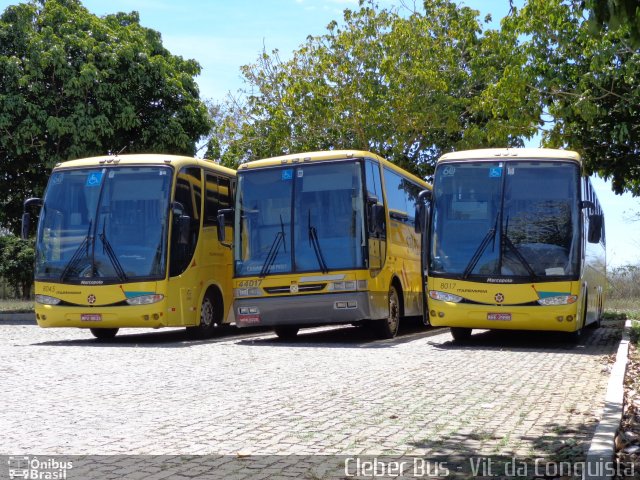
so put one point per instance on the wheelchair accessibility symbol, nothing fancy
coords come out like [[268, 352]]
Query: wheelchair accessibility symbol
[[94, 179]]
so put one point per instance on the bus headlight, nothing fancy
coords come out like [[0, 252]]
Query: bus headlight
[[343, 286], [247, 292], [444, 297], [47, 300], [558, 300], [145, 299]]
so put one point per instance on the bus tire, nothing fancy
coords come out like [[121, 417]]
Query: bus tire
[[460, 334], [286, 332], [576, 335], [388, 327], [210, 318], [104, 333]]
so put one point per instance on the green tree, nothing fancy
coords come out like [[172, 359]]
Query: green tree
[[16, 264], [409, 87], [589, 85], [74, 85], [617, 14]]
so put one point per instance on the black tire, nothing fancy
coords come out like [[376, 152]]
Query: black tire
[[104, 333], [210, 318], [388, 327], [460, 334], [575, 336], [286, 332]]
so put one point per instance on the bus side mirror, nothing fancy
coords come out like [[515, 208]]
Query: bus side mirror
[[26, 216], [222, 221], [26, 225], [376, 215], [183, 227], [424, 198], [595, 228]]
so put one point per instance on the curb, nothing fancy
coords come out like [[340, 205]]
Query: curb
[[600, 459], [18, 318]]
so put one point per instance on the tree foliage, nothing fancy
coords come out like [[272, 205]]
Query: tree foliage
[[617, 14], [409, 87], [588, 84], [16, 264], [74, 85]]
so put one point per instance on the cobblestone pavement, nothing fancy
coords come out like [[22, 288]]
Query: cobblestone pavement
[[333, 391]]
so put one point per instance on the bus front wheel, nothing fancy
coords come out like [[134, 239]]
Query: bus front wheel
[[388, 327], [210, 318], [460, 334], [286, 332], [104, 333]]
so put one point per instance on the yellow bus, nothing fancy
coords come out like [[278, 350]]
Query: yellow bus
[[131, 241], [326, 238], [516, 241]]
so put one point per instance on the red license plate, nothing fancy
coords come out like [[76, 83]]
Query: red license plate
[[499, 317], [249, 319], [90, 317]]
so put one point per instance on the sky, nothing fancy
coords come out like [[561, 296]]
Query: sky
[[223, 35]]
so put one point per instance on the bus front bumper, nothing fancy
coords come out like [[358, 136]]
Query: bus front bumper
[[562, 318], [143, 316], [303, 310]]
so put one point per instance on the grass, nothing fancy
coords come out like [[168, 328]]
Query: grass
[[622, 308], [16, 306]]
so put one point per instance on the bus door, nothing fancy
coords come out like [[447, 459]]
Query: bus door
[[183, 289]]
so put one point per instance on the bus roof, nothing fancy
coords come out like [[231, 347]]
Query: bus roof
[[143, 159], [511, 153], [306, 157]]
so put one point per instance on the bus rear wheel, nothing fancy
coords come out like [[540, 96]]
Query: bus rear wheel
[[460, 334], [388, 327], [286, 332], [104, 333], [210, 318]]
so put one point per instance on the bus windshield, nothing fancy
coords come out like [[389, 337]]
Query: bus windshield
[[104, 224], [300, 218], [505, 219]]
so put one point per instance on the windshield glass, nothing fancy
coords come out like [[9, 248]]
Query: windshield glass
[[104, 223], [505, 219], [299, 219]]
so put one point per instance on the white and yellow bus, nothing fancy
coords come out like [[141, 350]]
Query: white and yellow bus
[[326, 238], [130, 241], [516, 241]]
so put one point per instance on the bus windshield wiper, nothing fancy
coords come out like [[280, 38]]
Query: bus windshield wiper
[[511, 246], [273, 251], [313, 240], [491, 235], [108, 249], [77, 256]]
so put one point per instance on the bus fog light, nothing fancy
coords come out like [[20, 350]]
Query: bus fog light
[[339, 305], [47, 300], [145, 299], [352, 304], [441, 314], [569, 318], [560, 318], [248, 310], [432, 313]]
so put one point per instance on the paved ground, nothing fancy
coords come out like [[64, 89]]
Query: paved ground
[[331, 392], [261, 408]]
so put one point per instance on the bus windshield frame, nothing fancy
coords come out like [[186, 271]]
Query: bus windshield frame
[[104, 225], [312, 220], [506, 221]]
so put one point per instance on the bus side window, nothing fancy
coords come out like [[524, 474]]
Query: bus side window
[[188, 194]]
